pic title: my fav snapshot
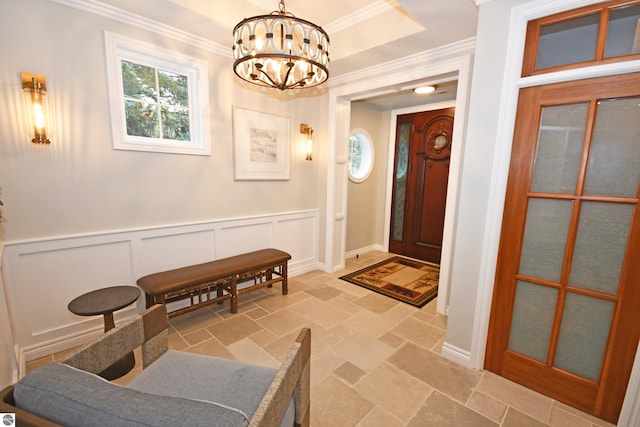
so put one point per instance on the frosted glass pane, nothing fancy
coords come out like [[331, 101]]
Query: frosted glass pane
[[545, 237], [568, 42], [532, 321], [622, 32], [601, 242], [614, 161], [559, 148], [583, 335], [400, 176]]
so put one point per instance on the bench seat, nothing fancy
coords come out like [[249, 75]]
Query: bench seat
[[197, 282]]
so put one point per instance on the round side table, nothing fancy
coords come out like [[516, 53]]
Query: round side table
[[106, 301]]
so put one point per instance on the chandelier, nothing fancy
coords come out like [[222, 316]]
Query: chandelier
[[282, 51]]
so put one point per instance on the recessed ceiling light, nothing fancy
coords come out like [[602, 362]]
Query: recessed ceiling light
[[422, 90]]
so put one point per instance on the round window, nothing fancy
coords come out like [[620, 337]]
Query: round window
[[360, 155]]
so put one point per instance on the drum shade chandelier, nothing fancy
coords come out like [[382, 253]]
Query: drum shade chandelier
[[281, 51]]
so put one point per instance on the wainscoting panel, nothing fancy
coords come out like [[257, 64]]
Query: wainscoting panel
[[42, 276], [241, 236], [165, 252]]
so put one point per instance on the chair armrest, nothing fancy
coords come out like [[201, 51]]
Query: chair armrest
[[148, 330], [292, 379]]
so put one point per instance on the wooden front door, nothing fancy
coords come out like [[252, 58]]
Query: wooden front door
[[565, 319], [421, 172]]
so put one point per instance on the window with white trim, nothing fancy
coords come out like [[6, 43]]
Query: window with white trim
[[158, 98], [360, 155]]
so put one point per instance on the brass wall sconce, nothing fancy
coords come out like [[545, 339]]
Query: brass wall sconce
[[305, 129], [36, 84]]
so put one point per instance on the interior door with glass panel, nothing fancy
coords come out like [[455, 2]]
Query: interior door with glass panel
[[565, 318]]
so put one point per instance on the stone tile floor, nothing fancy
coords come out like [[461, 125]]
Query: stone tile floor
[[375, 361]]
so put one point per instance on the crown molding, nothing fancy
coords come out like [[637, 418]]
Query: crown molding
[[454, 49], [97, 8], [377, 8]]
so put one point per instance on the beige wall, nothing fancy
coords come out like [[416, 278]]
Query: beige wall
[[80, 184], [366, 200]]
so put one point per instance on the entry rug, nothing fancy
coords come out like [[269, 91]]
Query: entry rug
[[406, 280]]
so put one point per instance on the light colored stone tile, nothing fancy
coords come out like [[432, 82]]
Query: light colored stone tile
[[193, 320], [442, 411], [490, 408], [448, 377], [378, 417], [32, 365], [562, 418], [377, 303], [363, 351], [278, 302], [197, 336], [248, 351], [397, 392], [282, 322], [423, 316], [399, 312], [439, 321], [392, 340], [349, 372], [320, 312], [211, 347], [324, 292], [515, 418], [256, 313], [234, 329], [279, 349], [521, 398], [418, 332], [263, 338], [369, 323], [323, 365], [355, 290], [334, 404], [594, 420]]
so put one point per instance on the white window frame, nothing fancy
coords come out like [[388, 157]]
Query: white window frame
[[367, 155], [119, 48]]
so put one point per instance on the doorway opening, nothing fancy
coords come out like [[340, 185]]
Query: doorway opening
[[337, 173]]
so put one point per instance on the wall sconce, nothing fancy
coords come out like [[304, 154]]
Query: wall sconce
[[307, 130], [36, 84]]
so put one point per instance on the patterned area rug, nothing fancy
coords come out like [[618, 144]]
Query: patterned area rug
[[406, 280]]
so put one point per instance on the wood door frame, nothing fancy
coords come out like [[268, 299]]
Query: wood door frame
[[428, 66], [511, 85]]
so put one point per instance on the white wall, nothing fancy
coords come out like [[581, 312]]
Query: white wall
[[79, 184], [366, 200], [475, 185], [65, 202]]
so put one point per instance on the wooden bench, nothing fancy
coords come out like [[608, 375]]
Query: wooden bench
[[198, 282]]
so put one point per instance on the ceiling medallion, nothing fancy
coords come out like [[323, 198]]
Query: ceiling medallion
[[281, 51]]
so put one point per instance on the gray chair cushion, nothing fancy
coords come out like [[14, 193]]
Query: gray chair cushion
[[71, 397], [227, 382]]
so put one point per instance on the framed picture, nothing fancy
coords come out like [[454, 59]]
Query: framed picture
[[260, 146]]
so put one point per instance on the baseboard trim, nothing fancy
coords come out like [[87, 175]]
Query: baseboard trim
[[456, 354], [354, 253]]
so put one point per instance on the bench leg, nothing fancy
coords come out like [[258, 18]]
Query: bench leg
[[285, 285], [234, 294], [219, 289]]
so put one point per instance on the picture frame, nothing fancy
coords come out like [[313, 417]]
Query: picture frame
[[260, 145]]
